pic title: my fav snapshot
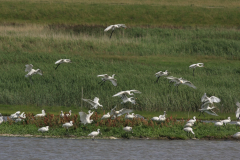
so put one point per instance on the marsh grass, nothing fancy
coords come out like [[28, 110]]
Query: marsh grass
[[133, 58]]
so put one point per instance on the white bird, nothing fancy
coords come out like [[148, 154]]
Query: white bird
[[127, 129], [60, 61], [236, 135], [237, 124], [125, 93], [18, 119], [61, 114], [15, 115], [112, 27], [188, 124], [1, 118], [106, 116], [129, 116], [32, 71], [23, 115], [219, 124], [160, 117], [238, 111], [205, 108], [179, 81], [120, 112], [68, 124], [44, 129], [193, 66], [85, 118], [192, 120], [94, 133], [125, 99], [69, 114], [161, 73], [105, 78], [41, 114], [227, 120], [189, 129], [93, 102], [212, 99]]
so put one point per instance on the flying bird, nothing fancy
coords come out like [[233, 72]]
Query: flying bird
[[179, 81], [32, 71], [209, 110], [211, 99], [160, 74], [105, 78], [115, 113], [125, 93], [193, 66], [85, 118], [93, 102], [60, 61], [112, 27], [125, 99]]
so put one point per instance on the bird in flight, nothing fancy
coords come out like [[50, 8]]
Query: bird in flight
[[179, 81], [194, 66], [161, 73], [93, 102], [85, 118], [60, 61], [105, 78], [112, 27], [31, 71]]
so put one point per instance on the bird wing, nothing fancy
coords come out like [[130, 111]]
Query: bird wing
[[28, 67], [89, 101], [238, 104], [200, 64], [192, 65], [121, 25], [139, 116], [95, 100], [112, 111], [124, 110], [60, 60], [215, 99], [173, 79], [39, 72], [108, 28], [135, 91], [188, 83], [114, 82], [119, 94], [83, 117], [211, 112], [102, 75], [204, 98], [237, 112]]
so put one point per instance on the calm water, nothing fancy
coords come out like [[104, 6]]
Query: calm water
[[50, 148]]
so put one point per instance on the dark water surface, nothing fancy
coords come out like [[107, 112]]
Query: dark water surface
[[50, 148]]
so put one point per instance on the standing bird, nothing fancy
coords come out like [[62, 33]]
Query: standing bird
[[69, 114], [85, 118], [238, 111], [179, 81], [93, 102], [1, 118], [32, 71], [41, 114], [60, 61], [219, 124], [106, 116], [105, 78], [43, 129], [160, 117], [188, 130], [67, 125], [161, 73], [227, 121], [193, 66], [127, 129], [236, 135], [192, 120], [61, 114], [94, 133], [112, 27]]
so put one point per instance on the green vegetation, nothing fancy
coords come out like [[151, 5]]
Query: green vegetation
[[133, 13], [171, 128], [134, 55]]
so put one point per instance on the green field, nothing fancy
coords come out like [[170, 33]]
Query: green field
[[161, 35]]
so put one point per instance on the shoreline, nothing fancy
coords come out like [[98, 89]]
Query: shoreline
[[114, 138]]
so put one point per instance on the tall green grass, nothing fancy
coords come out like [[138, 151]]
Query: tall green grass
[[133, 58]]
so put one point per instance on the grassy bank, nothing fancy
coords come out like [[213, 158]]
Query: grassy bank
[[171, 128], [133, 13], [134, 55]]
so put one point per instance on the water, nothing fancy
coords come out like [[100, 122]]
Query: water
[[50, 148]]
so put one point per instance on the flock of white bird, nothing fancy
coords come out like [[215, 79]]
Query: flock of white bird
[[207, 102]]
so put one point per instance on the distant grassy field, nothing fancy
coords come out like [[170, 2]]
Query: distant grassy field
[[134, 55], [151, 13]]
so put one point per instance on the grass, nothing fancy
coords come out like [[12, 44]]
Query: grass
[[134, 55], [171, 128], [134, 13]]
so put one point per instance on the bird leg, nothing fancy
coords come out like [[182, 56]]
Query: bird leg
[[103, 83], [157, 79], [57, 66], [193, 71], [111, 34], [93, 138], [30, 79]]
